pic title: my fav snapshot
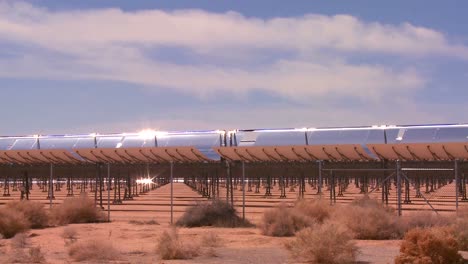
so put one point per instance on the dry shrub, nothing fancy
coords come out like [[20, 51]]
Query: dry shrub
[[77, 210], [22, 253], [215, 213], [171, 247], [460, 228], [369, 219], [33, 211], [460, 231], [319, 210], [151, 222], [20, 240], [69, 234], [463, 211], [434, 245], [12, 222], [211, 240], [97, 250], [424, 220], [35, 255], [284, 221], [330, 242], [211, 252], [32, 255]]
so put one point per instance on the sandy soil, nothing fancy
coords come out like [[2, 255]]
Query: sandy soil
[[137, 243]]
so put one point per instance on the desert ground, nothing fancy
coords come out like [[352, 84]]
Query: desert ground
[[133, 233]]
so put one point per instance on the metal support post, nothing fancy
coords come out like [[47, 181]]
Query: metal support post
[[27, 186], [243, 190], [172, 193], [108, 192], [147, 171], [231, 186], [398, 173], [51, 185], [331, 186], [319, 185], [456, 184], [227, 181], [148, 176]]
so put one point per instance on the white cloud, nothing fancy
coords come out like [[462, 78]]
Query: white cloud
[[203, 30], [112, 44]]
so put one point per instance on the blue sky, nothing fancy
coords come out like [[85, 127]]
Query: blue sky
[[123, 66]]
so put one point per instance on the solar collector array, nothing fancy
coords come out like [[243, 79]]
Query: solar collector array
[[429, 143], [115, 148]]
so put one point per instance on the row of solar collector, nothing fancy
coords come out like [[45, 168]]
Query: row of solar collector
[[373, 143]]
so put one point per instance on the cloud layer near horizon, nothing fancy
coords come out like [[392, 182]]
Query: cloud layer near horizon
[[308, 56]]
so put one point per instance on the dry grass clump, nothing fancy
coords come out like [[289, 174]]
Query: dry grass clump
[[216, 213], [284, 221], [211, 240], [33, 211], [77, 210], [369, 219], [95, 250], [31, 255], [435, 245], [330, 242], [35, 255], [22, 253], [69, 234], [149, 222], [171, 247], [12, 222]]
